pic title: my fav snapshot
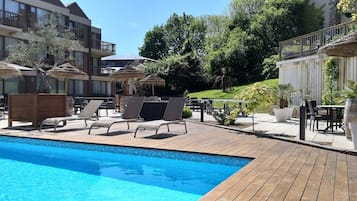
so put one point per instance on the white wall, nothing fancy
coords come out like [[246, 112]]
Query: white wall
[[306, 74]]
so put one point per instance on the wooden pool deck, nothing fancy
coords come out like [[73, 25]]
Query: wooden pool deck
[[280, 170]]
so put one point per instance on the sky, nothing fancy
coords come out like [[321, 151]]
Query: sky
[[125, 22]]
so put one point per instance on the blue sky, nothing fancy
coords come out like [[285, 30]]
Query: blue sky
[[125, 22]]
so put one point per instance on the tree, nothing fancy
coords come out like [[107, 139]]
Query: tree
[[180, 35], [43, 43], [44, 47], [155, 45], [253, 32], [348, 6], [269, 67], [181, 73]]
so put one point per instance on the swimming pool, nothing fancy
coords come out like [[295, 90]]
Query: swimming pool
[[48, 170]]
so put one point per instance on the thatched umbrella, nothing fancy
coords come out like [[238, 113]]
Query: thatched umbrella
[[153, 80], [128, 72], [67, 71], [7, 71], [343, 47]]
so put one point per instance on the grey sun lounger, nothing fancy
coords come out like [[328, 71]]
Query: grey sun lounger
[[172, 115], [131, 114], [85, 114]]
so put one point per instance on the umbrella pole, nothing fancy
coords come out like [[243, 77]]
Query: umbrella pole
[[152, 90]]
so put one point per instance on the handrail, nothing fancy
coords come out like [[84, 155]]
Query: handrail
[[103, 45], [309, 44], [10, 18]]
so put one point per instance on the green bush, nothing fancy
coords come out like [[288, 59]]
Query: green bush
[[186, 113]]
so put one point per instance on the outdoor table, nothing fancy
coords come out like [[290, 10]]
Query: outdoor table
[[331, 120], [153, 110]]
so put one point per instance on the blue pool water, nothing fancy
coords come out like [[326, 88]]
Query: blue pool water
[[47, 170]]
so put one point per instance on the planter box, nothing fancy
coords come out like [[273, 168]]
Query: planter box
[[36, 107], [282, 114]]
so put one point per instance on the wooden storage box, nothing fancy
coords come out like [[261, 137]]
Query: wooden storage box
[[36, 107]]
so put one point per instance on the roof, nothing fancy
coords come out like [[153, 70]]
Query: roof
[[55, 2], [74, 9], [121, 57]]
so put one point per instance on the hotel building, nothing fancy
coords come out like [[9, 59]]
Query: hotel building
[[18, 16]]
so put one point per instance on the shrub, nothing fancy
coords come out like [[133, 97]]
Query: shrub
[[186, 113]]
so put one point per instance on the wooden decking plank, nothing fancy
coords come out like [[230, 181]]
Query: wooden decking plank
[[288, 179], [218, 191], [341, 184], [299, 185], [352, 177], [259, 182], [239, 186], [326, 191], [314, 181]]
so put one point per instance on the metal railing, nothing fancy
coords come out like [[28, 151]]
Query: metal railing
[[10, 19], [309, 44], [103, 46]]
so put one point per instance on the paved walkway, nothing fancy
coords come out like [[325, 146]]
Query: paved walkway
[[266, 124], [263, 124]]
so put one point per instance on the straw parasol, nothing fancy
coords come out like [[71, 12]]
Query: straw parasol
[[67, 71], [153, 80], [126, 73], [7, 71], [343, 47], [123, 75]]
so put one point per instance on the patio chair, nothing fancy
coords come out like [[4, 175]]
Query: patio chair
[[172, 115], [314, 116], [85, 114], [131, 114]]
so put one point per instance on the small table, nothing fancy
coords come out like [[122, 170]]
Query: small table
[[332, 120], [153, 110]]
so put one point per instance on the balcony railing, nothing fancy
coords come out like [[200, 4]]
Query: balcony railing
[[309, 44], [10, 19], [103, 46]]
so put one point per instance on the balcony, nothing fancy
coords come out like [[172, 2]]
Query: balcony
[[102, 48], [309, 44], [9, 22]]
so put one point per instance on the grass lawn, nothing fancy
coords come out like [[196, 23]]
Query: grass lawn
[[219, 94]]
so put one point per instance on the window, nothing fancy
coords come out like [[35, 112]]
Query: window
[[78, 84], [11, 86], [96, 87], [9, 45], [43, 17], [95, 66], [101, 88], [11, 6], [78, 56]]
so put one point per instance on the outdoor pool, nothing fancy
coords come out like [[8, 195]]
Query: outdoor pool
[[48, 170]]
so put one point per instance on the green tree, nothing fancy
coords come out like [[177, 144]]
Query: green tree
[[44, 42], [44, 47], [348, 6], [253, 32], [181, 73], [180, 35], [269, 67], [155, 45]]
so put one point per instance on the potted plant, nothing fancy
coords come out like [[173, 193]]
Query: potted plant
[[282, 94], [350, 115]]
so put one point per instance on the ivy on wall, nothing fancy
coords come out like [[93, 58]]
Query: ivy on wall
[[331, 73]]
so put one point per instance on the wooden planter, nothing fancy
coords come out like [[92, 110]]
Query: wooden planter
[[36, 107]]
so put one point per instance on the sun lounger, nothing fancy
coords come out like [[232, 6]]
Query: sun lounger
[[172, 115], [85, 114], [131, 114]]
